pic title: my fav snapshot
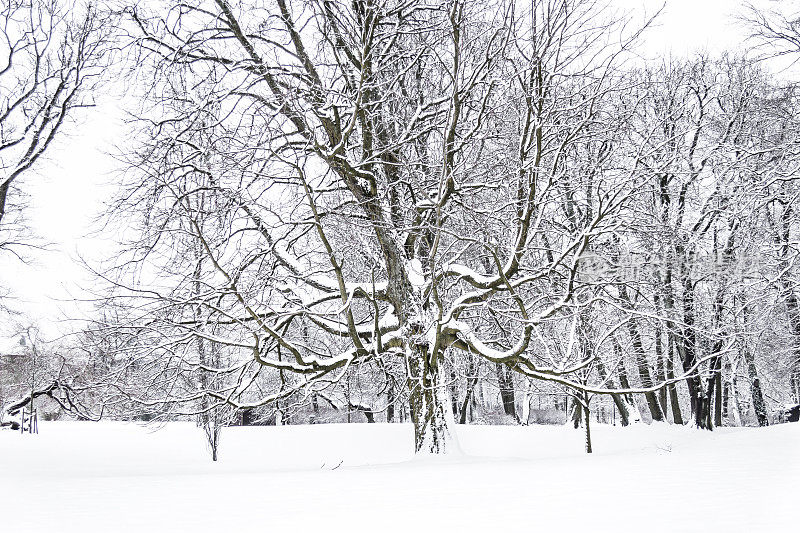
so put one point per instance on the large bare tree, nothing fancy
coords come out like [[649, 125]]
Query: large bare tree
[[381, 183]]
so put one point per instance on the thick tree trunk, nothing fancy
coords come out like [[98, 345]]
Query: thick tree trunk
[[632, 413], [687, 348], [672, 392], [737, 405], [505, 380], [727, 386], [756, 394], [622, 408], [712, 394], [429, 403], [783, 238], [314, 407]]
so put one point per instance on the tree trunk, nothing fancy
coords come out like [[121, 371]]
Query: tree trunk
[[628, 410], [390, 399], [641, 361], [369, 412], [793, 307], [672, 392], [472, 380], [3, 196], [687, 349], [454, 392], [726, 394], [576, 412], [718, 398], [526, 403], [315, 407], [618, 401], [755, 389], [429, 403], [660, 372], [588, 423], [505, 382], [737, 405]]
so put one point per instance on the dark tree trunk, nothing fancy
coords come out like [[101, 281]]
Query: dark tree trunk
[[472, 381], [390, 399], [687, 349], [588, 426], [718, 393], [677, 416], [505, 381], [755, 389], [314, 408], [576, 413], [3, 197], [756, 394], [618, 401], [641, 360], [713, 394]]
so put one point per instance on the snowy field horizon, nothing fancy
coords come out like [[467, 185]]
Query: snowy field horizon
[[116, 476]]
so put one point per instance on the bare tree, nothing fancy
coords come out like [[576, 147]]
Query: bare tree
[[391, 184]]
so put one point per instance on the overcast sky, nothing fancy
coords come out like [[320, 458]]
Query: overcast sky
[[68, 191]]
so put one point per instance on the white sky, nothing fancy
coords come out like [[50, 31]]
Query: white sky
[[68, 191]]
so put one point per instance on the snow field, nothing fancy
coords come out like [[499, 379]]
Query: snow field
[[117, 477]]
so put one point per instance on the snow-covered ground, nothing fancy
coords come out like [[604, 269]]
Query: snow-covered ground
[[114, 477]]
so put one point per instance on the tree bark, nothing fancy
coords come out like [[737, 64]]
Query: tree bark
[[641, 360], [660, 371], [677, 416], [755, 388], [390, 399], [472, 380], [505, 382], [429, 403]]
